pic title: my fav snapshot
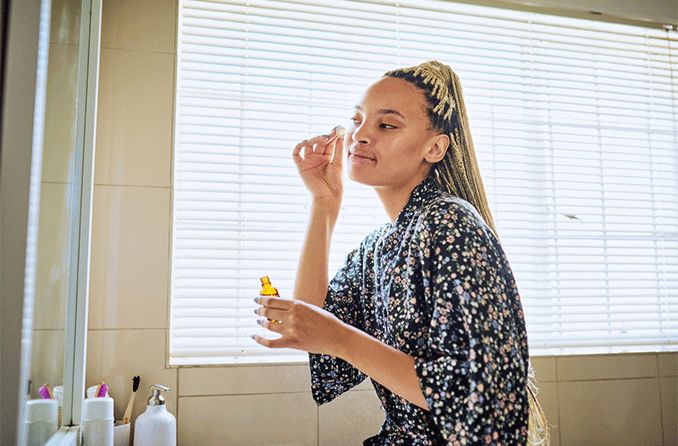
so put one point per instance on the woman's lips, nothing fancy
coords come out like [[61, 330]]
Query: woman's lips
[[360, 159]]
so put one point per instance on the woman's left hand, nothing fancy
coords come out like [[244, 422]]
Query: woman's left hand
[[303, 326]]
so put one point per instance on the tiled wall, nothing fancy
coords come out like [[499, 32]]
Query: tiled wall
[[595, 400]]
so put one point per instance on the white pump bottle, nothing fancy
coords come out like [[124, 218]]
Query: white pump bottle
[[156, 426]]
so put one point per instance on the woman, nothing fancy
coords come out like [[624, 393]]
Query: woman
[[427, 305]]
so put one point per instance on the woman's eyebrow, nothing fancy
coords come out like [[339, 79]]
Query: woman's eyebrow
[[385, 111]]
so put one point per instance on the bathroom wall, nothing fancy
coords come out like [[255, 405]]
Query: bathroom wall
[[593, 400]]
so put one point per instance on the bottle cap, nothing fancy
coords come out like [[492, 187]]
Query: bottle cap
[[58, 392], [41, 410], [92, 391], [97, 409], [156, 399]]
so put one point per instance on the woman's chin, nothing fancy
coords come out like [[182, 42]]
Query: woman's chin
[[362, 178]]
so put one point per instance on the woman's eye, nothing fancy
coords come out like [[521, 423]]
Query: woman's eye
[[389, 126]]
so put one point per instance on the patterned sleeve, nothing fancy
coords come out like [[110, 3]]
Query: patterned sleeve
[[330, 376], [463, 365]]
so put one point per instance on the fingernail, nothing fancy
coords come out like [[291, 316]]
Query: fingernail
[[253, 337], [256, 299], [259, 321], [256, 311]]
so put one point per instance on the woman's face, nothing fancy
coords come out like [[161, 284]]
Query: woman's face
[[391, 128]]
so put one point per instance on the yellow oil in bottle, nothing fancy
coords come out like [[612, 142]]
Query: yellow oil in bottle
[[268, 290]]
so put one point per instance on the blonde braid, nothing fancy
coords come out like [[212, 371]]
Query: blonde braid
[[458, 174]]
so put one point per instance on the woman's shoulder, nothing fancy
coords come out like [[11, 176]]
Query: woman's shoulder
[[449, 212]]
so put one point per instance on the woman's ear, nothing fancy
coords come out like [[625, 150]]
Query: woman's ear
[[437, 148]]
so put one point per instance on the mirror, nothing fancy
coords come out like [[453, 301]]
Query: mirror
[[57, 243], [63, 239]]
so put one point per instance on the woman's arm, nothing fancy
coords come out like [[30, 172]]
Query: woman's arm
[[311, 279], [388, 366]]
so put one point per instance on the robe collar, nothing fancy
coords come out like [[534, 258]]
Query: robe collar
[[419, 197]]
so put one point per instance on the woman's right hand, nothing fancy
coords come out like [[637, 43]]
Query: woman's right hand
[[321, 166]]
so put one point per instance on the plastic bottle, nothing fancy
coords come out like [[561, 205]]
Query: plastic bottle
[[156, 426], [59, 396], [97, 422], [41, 421]]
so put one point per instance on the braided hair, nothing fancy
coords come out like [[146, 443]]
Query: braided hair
[[457, 173]]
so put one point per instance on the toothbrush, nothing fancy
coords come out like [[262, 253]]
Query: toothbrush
[[45, 393], [102, 390], [128, 412]]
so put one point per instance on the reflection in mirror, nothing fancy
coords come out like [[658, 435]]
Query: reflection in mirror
[[59, 203]]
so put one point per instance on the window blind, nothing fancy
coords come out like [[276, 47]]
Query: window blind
[[574, 124]]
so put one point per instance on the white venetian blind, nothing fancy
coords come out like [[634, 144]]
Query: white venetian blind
[[574, 123]]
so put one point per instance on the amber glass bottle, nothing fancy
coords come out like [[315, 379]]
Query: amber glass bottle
[[268, 290]]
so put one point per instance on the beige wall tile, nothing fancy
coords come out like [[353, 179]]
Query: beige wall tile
[[587, 367], [548, 399], [61, 98], [129, 258], [47, 362], [350, 418], [544, 368], [668, 364], [235, 380], [115, 356], [610, 413], [148, 25], [248, 420], [134, 118], [53, 269], [669, 397]]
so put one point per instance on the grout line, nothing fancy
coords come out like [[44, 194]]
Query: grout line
[[661, 405], [178, 399], [558, 403], [126, 329], [150, 186], [558, 409], [621, 378], [132, 50]]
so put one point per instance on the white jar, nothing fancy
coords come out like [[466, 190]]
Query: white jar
[[41, 421], [97, 422]]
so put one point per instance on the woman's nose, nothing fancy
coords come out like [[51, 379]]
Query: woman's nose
[[360, 135]]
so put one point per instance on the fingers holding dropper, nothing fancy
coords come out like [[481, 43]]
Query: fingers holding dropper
[[339, 134]]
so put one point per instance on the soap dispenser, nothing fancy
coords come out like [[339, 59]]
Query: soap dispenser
[[156, 426]]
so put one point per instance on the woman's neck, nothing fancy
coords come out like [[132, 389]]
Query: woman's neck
[[394, 198]]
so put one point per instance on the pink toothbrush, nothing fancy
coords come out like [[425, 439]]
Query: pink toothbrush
[[45, 393], [102, 390]]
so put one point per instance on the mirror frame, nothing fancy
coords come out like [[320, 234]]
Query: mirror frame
[[75, 348]]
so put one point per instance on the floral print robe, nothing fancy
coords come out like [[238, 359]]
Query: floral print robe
[[436, 285]]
